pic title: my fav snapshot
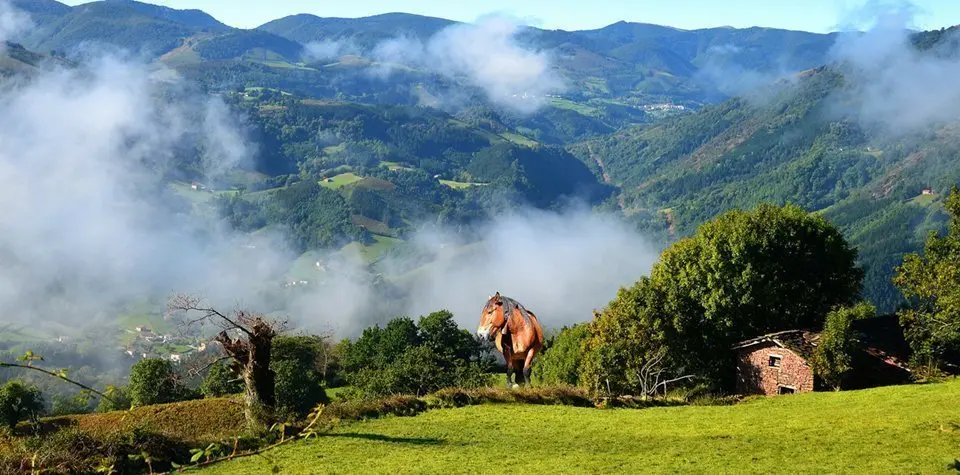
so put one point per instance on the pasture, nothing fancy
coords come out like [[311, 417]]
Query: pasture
[[340, 181], [904, 429]]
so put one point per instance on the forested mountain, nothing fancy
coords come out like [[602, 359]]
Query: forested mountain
[[788, 135], [363, 32], [624, 64], [802, 141], [140, 27]]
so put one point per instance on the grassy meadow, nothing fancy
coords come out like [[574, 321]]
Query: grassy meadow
[[904, 429]]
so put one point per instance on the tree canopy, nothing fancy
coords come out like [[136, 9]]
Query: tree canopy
[[931, 283], [743, 274]]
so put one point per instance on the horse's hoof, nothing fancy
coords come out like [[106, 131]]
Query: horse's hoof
[[515, 386]]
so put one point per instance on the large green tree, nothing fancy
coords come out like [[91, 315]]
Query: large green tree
[[740, 275], [154, 381], [931, 283]]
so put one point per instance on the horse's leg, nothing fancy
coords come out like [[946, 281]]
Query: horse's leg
[[509, 361], [528, 366]]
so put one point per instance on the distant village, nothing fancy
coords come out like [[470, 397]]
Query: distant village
[[149, 344]]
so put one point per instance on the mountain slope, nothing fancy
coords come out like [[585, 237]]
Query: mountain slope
[[366, 32], [140, 27], [41, 11], [802, 144], [236, 45]]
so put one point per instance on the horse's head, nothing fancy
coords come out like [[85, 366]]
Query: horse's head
[[492, 318]]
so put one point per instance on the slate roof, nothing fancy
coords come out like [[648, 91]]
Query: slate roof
[[801, 342]]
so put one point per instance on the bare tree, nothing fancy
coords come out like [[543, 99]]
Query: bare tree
[[650, 376], [249, 347]]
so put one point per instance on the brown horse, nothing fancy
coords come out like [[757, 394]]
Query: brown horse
[[516, 331]]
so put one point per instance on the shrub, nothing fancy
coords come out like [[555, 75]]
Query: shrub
[[546, 395], [80, 403], [833, 357], [220, 381], [408, 358], [19, 402], [563, 353], [374, 408], [154, 381], [299, 383], [119, 400]]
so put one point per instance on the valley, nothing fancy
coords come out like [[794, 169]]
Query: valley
[[219, 242]]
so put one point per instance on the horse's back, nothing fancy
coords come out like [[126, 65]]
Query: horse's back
[[534, 339]]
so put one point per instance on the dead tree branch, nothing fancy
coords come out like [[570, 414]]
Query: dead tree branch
[[62, 375]]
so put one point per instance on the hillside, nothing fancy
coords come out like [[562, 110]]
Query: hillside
[[364, 32], [906, 429], [140, 27], [802, 141], [16, 60], [236, 46], [623, 59], [622, 74], [378, 170]]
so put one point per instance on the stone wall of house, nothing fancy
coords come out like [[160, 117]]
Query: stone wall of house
[[755, 375]]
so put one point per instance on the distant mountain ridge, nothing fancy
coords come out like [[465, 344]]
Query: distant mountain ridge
[[623, 61]]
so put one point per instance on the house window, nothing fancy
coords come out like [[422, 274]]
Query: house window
[[785, 390], [774, 361]]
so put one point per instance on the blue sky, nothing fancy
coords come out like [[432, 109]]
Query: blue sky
[[809, 15]]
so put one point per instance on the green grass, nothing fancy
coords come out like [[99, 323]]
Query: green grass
[[459, 184], [305, 267], [596, 84], [924, 200], [519, 139], [17, 334], [340, 181], [371, 252], [906, 429], [333, 392], [574, 106], [197, 197], [395, 166]]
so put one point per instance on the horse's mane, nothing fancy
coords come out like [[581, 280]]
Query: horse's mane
[[509, 304]]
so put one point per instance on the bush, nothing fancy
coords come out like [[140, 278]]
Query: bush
[[220, 381], [547, 395], [833, 357], [119, 400], [374, 408], [80, 403], [408, 358], [19, 402], [154, 381], [562, 355], [296, 364]]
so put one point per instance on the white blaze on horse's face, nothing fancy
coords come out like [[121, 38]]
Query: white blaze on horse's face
[[486, 325], [488, 317], [485, 330]]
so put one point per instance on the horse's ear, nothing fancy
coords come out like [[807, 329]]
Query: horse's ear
[[496, 298]]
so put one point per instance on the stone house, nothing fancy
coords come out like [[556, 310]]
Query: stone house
[[779, 363]]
